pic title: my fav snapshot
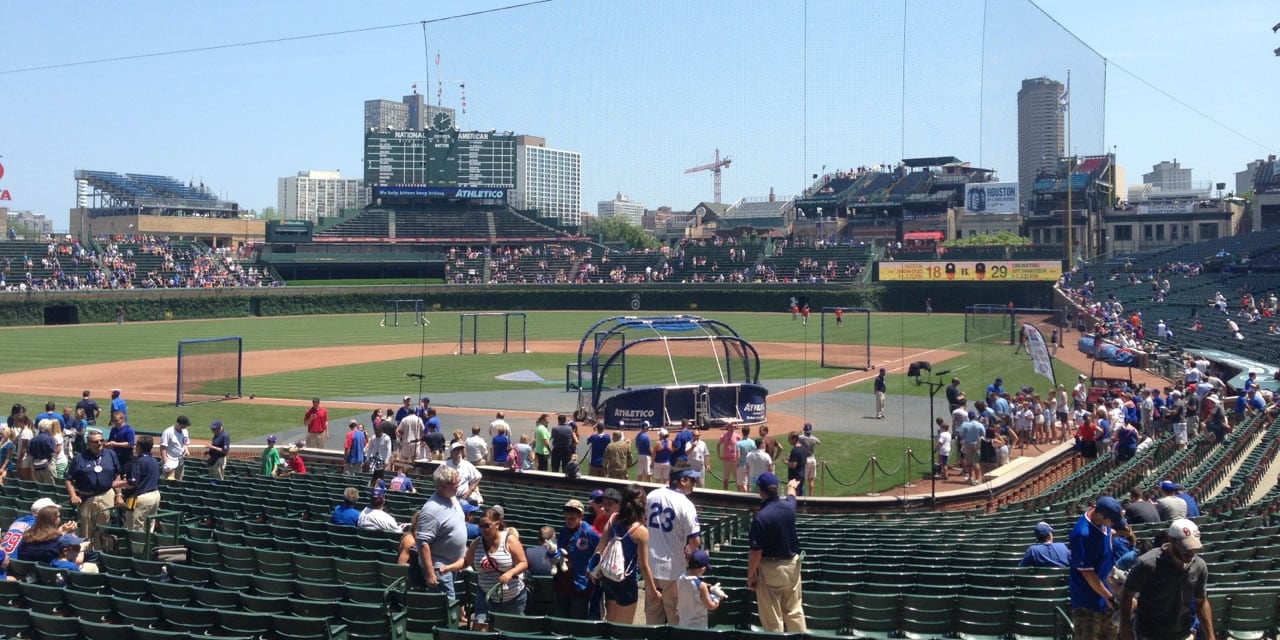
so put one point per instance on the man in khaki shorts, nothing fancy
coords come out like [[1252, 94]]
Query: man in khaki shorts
[[727, 450]]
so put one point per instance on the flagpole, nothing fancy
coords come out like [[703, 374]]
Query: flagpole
[[1070, 169]]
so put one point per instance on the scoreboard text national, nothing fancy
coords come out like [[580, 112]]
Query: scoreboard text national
[[440, 159], [975, 271]]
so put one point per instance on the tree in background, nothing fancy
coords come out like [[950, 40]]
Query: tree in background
[[619, 229], [269, 213], [999, 239]]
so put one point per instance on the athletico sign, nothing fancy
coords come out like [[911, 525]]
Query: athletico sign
[[453, 193], [4, 193], [998, 271]]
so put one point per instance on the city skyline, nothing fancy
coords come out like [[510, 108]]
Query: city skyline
[[660, 97]]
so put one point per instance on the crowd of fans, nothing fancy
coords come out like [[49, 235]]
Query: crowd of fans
[[72, 266], [681, 262]]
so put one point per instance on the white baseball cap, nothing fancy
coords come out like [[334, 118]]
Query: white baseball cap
[[41, 504], [1185, 533]]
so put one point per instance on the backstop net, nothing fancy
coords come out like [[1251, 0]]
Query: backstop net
[[995, 323], [493, 332], [412, 310], [846, 337], [209, 369]]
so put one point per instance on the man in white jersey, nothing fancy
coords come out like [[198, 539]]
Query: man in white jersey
[[673, 535], [409, 433]]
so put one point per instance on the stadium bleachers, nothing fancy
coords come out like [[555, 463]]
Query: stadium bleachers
[[68, 265]]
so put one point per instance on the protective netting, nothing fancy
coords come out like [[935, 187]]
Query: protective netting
[[208, 369]]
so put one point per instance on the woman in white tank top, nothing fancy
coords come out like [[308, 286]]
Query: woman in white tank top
[[499, 561]]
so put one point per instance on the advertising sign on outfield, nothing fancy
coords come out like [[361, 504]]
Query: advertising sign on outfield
[[993, 270]]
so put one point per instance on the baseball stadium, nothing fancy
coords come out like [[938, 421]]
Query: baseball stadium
[[940, 407]]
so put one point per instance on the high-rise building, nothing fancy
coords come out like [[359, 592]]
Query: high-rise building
[[421, 113], [1168, 176], [622, 206], [1244, 179], [549, 180], [1041, 129], [315, 194], [385, 115], [412, 113]]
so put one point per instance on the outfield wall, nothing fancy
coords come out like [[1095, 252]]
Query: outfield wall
[[70, 307]]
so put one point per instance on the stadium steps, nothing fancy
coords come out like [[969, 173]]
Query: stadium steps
[[1255, 438], [493, 227]]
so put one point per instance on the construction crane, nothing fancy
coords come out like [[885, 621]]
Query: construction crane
[[714, 168]]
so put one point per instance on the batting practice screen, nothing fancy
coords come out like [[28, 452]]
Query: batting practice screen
[[846, 337], [497, 332], [209, 369]]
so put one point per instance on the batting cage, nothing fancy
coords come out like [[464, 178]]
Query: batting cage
[[391, 310], [209, 369], [666, 369], [846, 337], [492, 332]]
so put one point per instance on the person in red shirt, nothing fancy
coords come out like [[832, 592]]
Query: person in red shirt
[[293, 462], [1087, 438], [317, 420]]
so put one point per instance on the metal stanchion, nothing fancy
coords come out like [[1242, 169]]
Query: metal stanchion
[[908, 482], [874, 464]]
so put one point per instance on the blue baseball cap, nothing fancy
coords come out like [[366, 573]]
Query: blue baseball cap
[[700, 559], [216, 424], [378, 492], [676, 474], [1043, 531], [1168, 485], [1110, 509], [766, 480], [468, 508]]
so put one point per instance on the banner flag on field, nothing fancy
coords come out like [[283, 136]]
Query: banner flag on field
[[1039, 352]]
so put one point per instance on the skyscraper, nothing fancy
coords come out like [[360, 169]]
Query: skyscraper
[[314, 194], [386, 115], [549, 180], [1041, 129]]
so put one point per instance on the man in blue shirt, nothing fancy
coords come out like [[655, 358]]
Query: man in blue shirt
[[996, 387], [578, 540], [41, 452], [1092, 602], [90, 477], [91, 409], [680, 443], [773, 564], [143, 485], [1193, 507], [880, 388], [597, 443], [644, 451], [121, 439], [118, 405], [970, 435], [51, 413], [354, 454], [219, 446], [1045, 552]]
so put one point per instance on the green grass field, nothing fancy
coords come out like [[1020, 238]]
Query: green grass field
[[27, 348]]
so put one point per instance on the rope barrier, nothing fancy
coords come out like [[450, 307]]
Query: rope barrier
[[836, 480], [913, 456], [882, 469]]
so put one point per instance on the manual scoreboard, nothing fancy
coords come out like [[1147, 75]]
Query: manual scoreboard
[[440, 159], [970, 271]]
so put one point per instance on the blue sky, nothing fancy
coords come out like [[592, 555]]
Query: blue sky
[[643, 90]]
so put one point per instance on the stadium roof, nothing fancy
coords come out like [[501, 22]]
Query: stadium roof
[[936, 161]]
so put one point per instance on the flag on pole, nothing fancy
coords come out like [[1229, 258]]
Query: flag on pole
[[1040, 359], [437, 58]]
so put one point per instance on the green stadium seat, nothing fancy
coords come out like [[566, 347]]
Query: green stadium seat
[[245, 624], [10, 593], [87, 605], [230, 580], [265, 586], [90, 630], [578, 629], [14, 622], [214, 598], [194, 620], [303, 628], [324, 591], [517, 624], [44, 599], [314, 568], [138, 613], [276, 564], [160, 634], [169, 593], [54, 627], [619, 631], [274, 605]]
